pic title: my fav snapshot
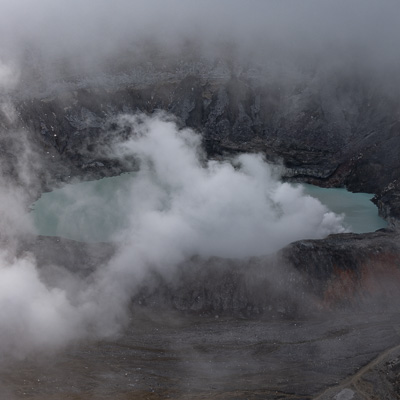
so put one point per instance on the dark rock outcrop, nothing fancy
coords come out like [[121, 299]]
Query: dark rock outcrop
[[332, 131], [344, 271], [388, 202], [350, 270]]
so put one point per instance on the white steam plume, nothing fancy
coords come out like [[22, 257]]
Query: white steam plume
[[179, 205], [9, 76], [226, 209], [33, 317]]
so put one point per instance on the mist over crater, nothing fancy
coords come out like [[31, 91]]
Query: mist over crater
[[232, 208], [223, 279]]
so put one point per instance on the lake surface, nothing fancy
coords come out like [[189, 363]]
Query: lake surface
[[93, 211], [360, 213], [87, 211]]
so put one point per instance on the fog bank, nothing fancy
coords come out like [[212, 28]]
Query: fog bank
[[66, 40]]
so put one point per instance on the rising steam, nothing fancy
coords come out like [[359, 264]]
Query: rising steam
[[236, 208], [178, 205]]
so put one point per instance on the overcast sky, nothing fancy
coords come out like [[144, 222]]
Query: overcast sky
[[89, 31]]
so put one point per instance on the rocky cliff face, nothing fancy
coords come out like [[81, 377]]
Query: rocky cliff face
[[329, 130], [349, 270], [344, 271]]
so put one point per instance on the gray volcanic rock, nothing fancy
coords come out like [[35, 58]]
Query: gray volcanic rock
[[388, 202], [162, 356], [378, 379], [350, 270], [258, 287], [345, 271], [341, 133], [287, 338], [77, 257]]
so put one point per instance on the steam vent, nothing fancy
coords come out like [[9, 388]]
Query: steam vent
[[199, 200]]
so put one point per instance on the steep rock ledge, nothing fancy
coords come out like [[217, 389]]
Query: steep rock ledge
[[345, 271], [350, 269], [338, 135]]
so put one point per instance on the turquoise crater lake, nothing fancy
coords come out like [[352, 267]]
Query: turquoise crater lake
[[360, 213], [93, 211]]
